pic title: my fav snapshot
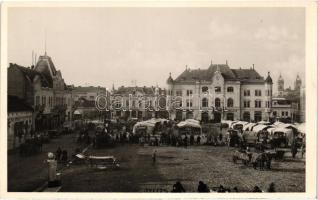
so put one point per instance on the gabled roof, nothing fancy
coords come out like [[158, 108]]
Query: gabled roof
[[224, 69], [144, 90], [46, 67], [243, 75], [89, 89], [16, 104], [31, 74]]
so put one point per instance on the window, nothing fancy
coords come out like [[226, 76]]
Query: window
[[268, 92], [246, 116], [37, 100], [91, 97], [230, 116], [230, 89], [286, 113], [246, 104], [246, 92], [258, 116], [127, 103], [217, 102], [43, 100], [205, 103], [189, 92], [268, 104], [258, 93], [218, 89], [179, 93], [283, 113], [258, 104], [189, 103], [205, 89], [230, 102], [274, 113]]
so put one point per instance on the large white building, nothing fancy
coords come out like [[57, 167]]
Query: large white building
[[219, 92]]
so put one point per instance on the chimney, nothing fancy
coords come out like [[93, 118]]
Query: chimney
[[32, 66], [226, 62], [253, 66]]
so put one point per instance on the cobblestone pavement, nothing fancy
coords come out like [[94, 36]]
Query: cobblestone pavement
[[28, 173], [212, 165]]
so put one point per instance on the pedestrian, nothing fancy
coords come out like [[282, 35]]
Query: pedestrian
[[185, 141], [271, 187], [58, 154], [191, 139], [202, 187], [198, 140], [64, 157], [154, 157], [256, 189], [294, 149], [179, 187], [221, 189]]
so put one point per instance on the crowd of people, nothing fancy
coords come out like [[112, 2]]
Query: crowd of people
[[203, 188]]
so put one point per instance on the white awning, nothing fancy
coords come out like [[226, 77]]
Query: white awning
[[77, 112]]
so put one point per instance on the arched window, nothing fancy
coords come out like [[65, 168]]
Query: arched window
[[230, 102], [205, 103], [230, 89], [217, 102]]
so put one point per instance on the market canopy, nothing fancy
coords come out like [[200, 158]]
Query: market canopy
[[248, 126], [301, 128], [239, 123], [189, 123], [77, 112], [264, 123], [260, 127]]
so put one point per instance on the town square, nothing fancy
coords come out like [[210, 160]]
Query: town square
[[164, 100]]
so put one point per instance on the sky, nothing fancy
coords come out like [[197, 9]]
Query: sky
[[128, 46]]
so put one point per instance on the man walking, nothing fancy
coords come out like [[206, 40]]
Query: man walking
[[154, 157]]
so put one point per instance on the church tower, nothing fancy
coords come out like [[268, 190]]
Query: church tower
[[280, 85], [297, 83]]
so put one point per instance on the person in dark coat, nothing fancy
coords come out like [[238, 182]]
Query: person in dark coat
[[191, 139], [257, 189], [178, 187], [202, 187], [294, 149], [185, 141], [64, 157], [198, 140], [58, 153], [271, 188], [221, 189]]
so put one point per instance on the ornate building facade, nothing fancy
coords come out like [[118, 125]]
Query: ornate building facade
[[220, 92], [43, 88]]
